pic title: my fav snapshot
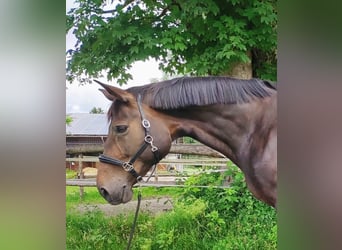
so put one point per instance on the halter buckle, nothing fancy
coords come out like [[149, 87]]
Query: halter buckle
[[154, 149], [127, 166], [145, 123]]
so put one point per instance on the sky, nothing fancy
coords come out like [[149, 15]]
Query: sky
[[81, 99]]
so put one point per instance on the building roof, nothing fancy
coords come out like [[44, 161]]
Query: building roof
[[87, 124]]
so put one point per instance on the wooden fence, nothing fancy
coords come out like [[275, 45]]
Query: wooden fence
[[92, 183], [159, 178], [190, 149], [215, 162]]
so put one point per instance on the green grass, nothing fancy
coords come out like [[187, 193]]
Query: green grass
[[201, 219], [179, 229], [93, 230], [187, 227], [92, 196], [70, 174]]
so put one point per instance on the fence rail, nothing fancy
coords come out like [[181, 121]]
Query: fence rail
[[92, 183], [189, 149], [217, 162]]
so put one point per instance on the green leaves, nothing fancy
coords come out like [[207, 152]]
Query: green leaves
[[68, 120], [187, 37], [233, 215]]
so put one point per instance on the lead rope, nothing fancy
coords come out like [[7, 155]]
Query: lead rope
[[135, 220], [137, 210]]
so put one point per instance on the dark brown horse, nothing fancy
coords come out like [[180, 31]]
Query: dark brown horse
[[236, 117]]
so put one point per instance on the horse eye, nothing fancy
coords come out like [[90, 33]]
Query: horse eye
[[120, 129]]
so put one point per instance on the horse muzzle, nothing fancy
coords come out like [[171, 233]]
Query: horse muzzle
[[116, 194]]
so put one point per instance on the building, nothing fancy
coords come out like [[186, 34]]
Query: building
[[85, 135]]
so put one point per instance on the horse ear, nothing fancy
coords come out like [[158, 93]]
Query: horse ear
[[113, 93], [107, 95]]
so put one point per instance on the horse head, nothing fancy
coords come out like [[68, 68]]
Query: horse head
[[137, 139]]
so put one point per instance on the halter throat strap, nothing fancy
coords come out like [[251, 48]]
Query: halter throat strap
[[148, 141]]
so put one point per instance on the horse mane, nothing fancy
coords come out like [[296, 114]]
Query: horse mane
[[199, 91]]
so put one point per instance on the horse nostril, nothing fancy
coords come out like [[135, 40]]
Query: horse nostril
[[104, 192], [124, 186]]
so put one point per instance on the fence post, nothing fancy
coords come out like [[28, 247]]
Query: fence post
[[80, 173], [156, 173]]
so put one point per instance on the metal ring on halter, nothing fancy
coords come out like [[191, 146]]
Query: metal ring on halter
[[154, 148], [146, 123], [127, 166], [148, 139]]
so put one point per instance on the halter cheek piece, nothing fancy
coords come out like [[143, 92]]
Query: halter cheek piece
[[148, 141]]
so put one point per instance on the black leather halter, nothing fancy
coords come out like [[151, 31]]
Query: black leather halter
[[148, 141]]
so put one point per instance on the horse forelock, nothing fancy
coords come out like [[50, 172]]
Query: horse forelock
[[113, 109], [199, 91]]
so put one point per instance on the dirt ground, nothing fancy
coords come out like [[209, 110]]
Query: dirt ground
[[153, 206]]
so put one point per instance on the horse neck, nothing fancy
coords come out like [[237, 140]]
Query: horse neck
[[225, 128]]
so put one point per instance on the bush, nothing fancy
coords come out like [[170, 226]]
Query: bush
[[233, 213]]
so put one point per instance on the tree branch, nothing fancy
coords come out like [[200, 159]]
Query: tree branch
[[108, 11], [114, 10], [163, 12], [167, 8]]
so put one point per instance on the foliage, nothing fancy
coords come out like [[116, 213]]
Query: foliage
[[189, 140], [95, 110], [186, 37], [247, 220], [201, 219], [68, 120]]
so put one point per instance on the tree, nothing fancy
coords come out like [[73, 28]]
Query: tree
[[95, 110], [187, 37]]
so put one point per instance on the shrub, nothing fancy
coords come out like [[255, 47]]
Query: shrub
[[233, 213]]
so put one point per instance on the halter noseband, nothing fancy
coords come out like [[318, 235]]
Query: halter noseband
[[148, 141]]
